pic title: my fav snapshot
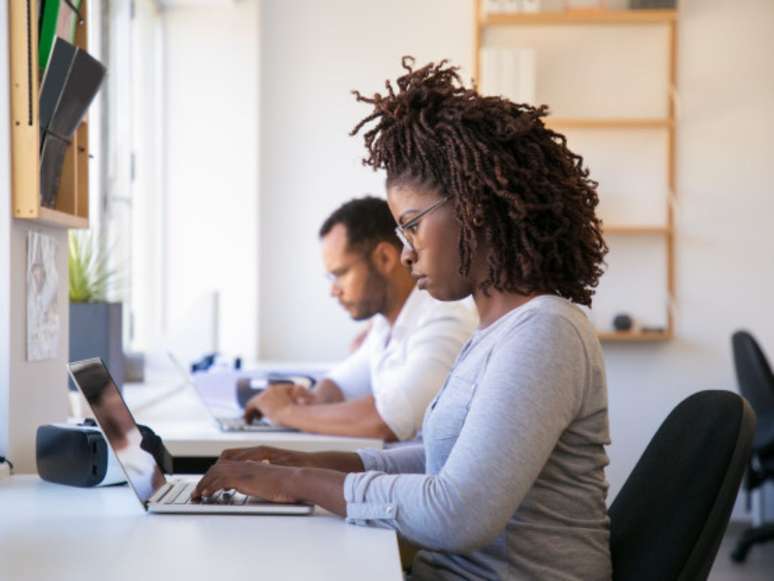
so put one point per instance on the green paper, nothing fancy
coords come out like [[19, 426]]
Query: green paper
[[58, 20]]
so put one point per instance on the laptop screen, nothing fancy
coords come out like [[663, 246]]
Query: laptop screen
[[117, 423]]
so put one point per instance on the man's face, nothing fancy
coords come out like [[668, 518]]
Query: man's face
[[359, 288]]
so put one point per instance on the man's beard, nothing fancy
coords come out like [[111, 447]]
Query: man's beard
[[375, 297]]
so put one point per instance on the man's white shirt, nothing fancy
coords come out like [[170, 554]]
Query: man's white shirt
[[403, 367]]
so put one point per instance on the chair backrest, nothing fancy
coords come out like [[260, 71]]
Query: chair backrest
[[756, 381], [668, 520]]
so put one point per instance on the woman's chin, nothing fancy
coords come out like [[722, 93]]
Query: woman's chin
[[438, 294], [441, 292]]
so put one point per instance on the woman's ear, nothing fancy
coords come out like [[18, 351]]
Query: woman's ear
[[385, 257]]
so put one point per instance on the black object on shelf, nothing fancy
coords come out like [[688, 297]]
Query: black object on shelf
[[622, 323], [652, 4], [653, 330]]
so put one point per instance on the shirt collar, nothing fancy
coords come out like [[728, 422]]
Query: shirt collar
[[410, 313]]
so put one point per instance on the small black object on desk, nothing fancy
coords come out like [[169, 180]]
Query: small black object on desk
[[78, 455]]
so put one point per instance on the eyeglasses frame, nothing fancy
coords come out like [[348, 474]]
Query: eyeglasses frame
[[401, 229]]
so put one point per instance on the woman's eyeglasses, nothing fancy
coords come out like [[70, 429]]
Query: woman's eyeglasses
[[406, 232]]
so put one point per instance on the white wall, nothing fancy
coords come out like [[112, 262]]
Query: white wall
[[725, 252], [211, 148], [313, 53], [31, 394]]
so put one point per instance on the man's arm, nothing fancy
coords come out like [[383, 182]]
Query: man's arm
[[350, 418]]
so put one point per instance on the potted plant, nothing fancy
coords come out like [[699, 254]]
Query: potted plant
[[96, 328]]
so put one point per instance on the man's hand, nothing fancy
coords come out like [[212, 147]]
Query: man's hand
[[302, 395], [269, 482], [272, 403], [267, 454]]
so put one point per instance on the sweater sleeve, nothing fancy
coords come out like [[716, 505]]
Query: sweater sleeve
[[403, 460], [526, 397]]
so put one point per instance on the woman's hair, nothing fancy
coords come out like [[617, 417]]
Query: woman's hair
[[510, 178]]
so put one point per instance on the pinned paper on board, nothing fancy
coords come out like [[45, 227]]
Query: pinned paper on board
[[43, 325]]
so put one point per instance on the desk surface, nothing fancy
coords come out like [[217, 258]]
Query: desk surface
[[188, 430], [49, 531]]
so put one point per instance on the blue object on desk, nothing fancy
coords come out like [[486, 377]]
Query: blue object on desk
[[209, 360]]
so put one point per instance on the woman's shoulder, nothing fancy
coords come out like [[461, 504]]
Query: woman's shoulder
[[552, 318]]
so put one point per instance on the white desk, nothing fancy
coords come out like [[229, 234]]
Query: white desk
[[186, 428], [49, 531]]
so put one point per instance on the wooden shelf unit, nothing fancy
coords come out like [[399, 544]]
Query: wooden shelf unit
[[72, 201], [608, 123], [599, 17], [668, 18], [634, 336], [634, 230]]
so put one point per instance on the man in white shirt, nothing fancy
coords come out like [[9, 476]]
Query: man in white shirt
[[382, 389]]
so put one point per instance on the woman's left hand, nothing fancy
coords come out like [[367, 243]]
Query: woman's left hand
[[269, 482]]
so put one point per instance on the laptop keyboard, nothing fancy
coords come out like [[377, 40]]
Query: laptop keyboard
[[238, 424], [181, 492]]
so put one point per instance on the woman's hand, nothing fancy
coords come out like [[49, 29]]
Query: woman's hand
[[260, 479], [303, 478], [267, 454], [340, 461]]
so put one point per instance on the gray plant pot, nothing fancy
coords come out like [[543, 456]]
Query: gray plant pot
[[96, 330]]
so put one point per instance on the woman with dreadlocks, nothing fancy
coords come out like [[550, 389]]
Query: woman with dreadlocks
[[509, 480]]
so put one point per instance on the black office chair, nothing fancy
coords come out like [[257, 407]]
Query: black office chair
[[756, 382], [669, 518]]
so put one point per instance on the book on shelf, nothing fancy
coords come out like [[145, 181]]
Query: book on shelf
[[70, 83], [56, 19], [54, 79]]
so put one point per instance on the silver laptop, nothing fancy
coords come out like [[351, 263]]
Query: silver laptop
[[155, 492], [228, 418]]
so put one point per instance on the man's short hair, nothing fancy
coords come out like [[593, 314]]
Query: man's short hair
[[368, 221]]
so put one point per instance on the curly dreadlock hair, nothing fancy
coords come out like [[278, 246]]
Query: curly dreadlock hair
[[511, 179]]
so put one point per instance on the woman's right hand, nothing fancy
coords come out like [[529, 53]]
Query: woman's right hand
[[340, 461], [270, 455]]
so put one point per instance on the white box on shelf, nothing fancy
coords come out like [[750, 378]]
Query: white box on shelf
[[518, 75], [530, 5], [509, 72], [494, 6]]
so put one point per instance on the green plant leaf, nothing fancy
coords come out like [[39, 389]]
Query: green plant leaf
[[91, 279]]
